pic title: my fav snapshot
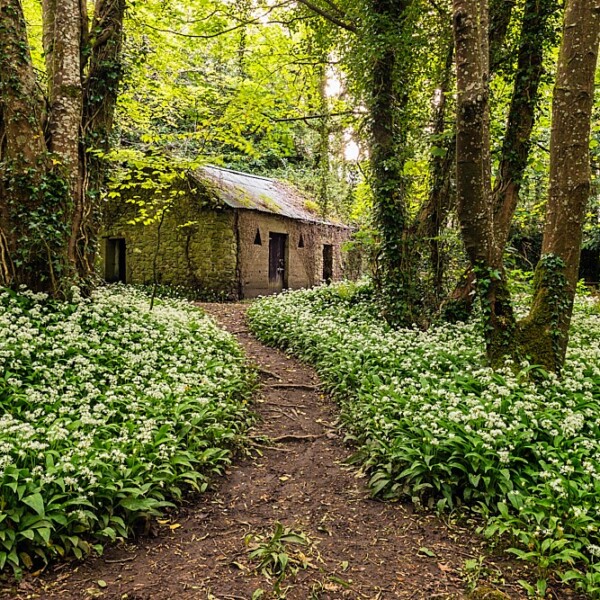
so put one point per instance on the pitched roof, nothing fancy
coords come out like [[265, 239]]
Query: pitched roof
[[252, 192]]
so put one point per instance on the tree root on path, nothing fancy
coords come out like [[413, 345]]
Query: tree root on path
[[300, 386], [268, 373], [294, 438]]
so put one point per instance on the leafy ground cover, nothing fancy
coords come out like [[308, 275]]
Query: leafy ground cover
[[108, 411], [433, 423]]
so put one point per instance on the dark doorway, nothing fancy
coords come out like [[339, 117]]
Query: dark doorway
[[115, 267], [277, 271], [327, 263]]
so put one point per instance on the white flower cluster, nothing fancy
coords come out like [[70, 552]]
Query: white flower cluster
[[103, 389], [427, 397]]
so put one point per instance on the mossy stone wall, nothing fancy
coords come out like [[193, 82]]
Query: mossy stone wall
[[195, 248]]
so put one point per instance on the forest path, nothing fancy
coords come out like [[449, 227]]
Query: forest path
[[361, 548]]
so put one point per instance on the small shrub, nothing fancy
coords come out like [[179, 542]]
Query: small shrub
[[277, 554]]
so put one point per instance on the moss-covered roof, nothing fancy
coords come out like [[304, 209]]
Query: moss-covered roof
[[252, 192]]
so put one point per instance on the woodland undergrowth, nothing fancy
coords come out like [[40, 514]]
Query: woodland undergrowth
[[434, 424], [109, 412]]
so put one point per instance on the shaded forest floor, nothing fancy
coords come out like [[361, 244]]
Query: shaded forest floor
[[294, 474]]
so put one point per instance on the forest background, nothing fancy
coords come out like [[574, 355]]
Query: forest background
[[355, 102]]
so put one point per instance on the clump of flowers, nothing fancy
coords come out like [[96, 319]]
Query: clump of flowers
[[433, 423], [108, 411]]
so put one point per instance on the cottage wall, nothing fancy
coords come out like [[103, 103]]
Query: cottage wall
[[197, 247], [304, 261]]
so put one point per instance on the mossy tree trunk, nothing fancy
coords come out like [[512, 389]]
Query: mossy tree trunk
[[33, 196], [535, 32], [533, 38], [49, 180], [544, 333], [63, 23], [101, 82], [473, 175], [396, 277], [433, 214]]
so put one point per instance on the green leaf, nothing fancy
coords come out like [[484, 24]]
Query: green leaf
[[45, 533], [36, 502]]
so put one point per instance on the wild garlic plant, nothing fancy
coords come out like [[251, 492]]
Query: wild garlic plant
[[433, 423], [108, 411]]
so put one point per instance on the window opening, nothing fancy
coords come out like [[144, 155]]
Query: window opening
[[301, 241], [257, 239], [327, 263], [115, 261]]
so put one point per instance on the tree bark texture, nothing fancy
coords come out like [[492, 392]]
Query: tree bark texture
[[434, 212], [522, 113], [544, 334], [62, 37], [32, 232], [500, 16], [473, 175], [388, 128], [535, 30], [46, 206], [101, 86]]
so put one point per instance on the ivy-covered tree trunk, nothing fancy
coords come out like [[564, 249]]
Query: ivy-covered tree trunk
[[33, 196], [63, 23], [100, 91], [534, 35], [432, 215], [544, 333], [533, 39], [473, 175], [49, 179], [389, 96]]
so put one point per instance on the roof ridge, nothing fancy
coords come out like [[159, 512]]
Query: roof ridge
[[240, 173]]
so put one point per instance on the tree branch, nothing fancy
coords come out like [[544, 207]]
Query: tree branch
[[329, 17]]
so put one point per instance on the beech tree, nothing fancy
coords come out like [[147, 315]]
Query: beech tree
[[51, 140], [484, 215]]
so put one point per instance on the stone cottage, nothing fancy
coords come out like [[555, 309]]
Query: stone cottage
[[225, 234]]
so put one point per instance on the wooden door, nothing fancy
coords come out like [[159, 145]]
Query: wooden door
[[277, 266]]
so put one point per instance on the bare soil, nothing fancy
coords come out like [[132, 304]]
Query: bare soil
[[294, 474]]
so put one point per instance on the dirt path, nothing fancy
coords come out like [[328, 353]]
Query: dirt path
[[361, 549]]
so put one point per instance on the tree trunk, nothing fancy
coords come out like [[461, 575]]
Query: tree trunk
[[473, 176], [101, 88], [522, 113], [62, 41], [49, 179], [434, 212], [521, 119], [544, 333], [388, 127], [32, 194], [500, 15]]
